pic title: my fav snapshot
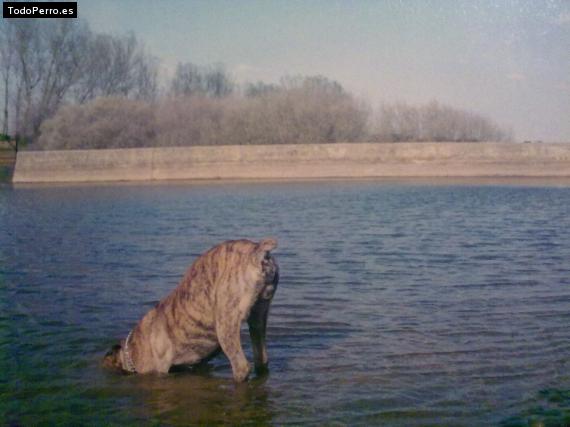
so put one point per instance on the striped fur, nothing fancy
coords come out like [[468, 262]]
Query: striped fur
[[232, 282]]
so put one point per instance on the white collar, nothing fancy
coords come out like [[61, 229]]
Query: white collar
[[128, 364]]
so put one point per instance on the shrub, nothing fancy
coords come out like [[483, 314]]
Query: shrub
[[103, 123], [300, 110], [190, 120], [310, 110], [435, 122]]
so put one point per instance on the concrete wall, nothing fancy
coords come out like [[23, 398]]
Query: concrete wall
[[351, 160]]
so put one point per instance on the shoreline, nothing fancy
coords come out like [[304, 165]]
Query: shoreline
[[508, 181], [346, 161]]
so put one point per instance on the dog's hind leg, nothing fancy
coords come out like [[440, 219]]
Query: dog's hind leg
[[257, 322]]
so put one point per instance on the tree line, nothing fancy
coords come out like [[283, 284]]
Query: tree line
[[45, 64], [66, 87], [434, 122]]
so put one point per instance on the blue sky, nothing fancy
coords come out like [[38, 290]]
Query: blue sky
[[507, 59]]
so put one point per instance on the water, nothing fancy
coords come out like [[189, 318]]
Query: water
[[399, 303]]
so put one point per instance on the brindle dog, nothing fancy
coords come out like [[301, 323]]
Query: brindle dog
[[230, 283]]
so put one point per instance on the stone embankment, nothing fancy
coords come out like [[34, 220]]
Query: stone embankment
[[311, 161]]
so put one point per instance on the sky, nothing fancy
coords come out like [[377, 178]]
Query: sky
[[506, 59]]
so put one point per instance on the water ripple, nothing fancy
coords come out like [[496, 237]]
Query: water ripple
[[398, 304]]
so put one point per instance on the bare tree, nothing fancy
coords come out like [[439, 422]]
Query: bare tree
[[186, 81], [7, 58], [45, 60], [434, 122], [116, 66], [28, 52], [259, 89], [212, 81], [47, 63], [65, 44], [218, 83]]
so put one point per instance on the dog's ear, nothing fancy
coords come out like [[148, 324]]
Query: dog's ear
[[267, 244]]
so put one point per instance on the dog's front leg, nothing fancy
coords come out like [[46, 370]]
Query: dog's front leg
[[228, 331], [257, 322]]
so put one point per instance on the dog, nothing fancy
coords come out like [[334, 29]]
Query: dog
[[230, 283]]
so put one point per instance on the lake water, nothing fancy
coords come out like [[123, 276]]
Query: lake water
[[400, 303]]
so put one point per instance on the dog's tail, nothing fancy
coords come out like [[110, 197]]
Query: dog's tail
[[267, 244], [261, 251]]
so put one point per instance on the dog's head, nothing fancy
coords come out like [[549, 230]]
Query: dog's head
[[112, 359]]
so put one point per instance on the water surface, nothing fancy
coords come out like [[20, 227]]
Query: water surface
[[399, 303]]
